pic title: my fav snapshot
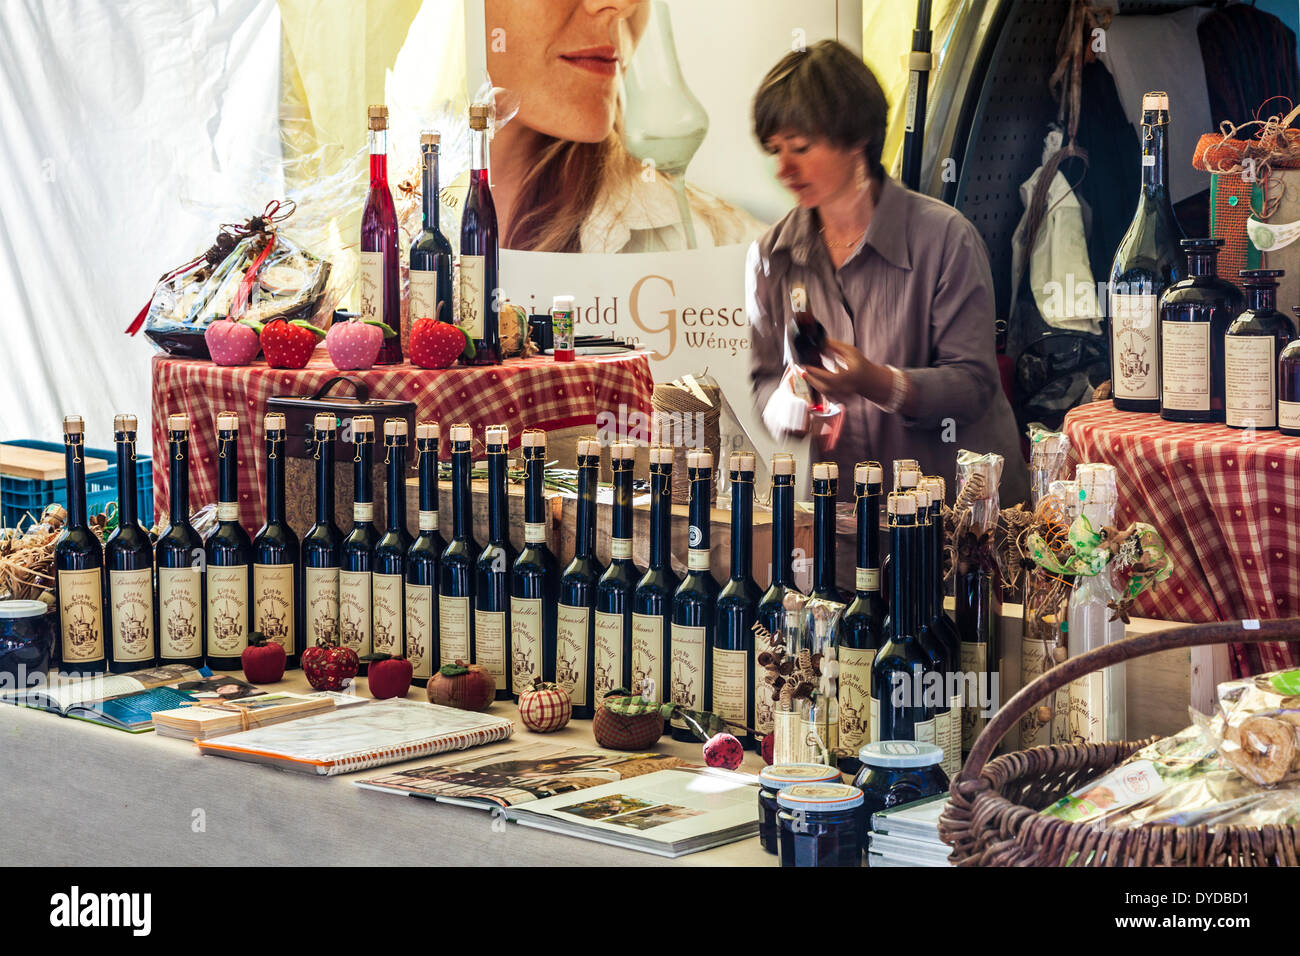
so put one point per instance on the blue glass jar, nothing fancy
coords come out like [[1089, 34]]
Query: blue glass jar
[[771, 781], [821, 824], [27, 630], [895, 772]]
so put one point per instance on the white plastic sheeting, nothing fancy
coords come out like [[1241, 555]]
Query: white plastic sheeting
[[124, 129]]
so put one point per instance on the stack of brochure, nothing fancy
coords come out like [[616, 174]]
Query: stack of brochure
[[909, 835]]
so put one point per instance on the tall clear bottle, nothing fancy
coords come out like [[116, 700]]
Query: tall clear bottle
[[322, 546], [179, 557], [690, 661], [388, 583], [422, 563], [378, 282], [356, 610], [277, 577], [734, 684], [771, 609], [575, 620], [492, 570], [862, 629], [79, 567], [652, 602], [128, 554], [430, 272], [230, 559], [614, 592], [1146, 263], [1252, 347], [534, 578], [480, 275]]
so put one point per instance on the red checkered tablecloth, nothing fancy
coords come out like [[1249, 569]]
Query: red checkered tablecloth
[[1225, 503], [523, 393]]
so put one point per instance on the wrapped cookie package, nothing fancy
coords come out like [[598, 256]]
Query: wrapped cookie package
[[1258, 728]]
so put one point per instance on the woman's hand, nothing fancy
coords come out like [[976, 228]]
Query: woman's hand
[[856, 376]]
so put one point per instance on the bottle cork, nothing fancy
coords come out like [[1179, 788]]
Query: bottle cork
[[325, 422], [825, 471], [363, 425], [227, 422], [378, 116], [179, 422], [461, 433], [622, 451], [430, 138], [588, 447], [741, 461], [937, 487], [427, 431], [661, 455], [868, 473], [1156, 100], [901, 503], [699, 459], [497, 435], [533, 439], [478, 116], [782, 464], [274, 422], [73, 425], [395, 428]]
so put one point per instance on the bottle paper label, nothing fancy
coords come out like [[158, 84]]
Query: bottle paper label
[[429, 520], [620, 549], [322, 604], [867, 579], [355, 610], [363, 511], [81, 615], [609, 653], [1088, 709], [952, 756], [925, 731], [228, 612], [386, 613], [974, 662], [730, 695], [273, 604], [1135, 358], [855, 696], [370, 287], [535, 532], [525, 642], [424, 295], [697, 559], [647, 652], [490, 644], [686, 669], [474, 297], [227, 510], [572, 641], [419, 629], [1250, 380], [1288, 414], [763, 705], [453, 630], [180, 610], [1185, 358], [131, 605]]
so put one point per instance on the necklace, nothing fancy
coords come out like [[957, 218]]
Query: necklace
[[842, 245]]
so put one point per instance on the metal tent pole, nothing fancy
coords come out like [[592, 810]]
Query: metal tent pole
[[918, 64]]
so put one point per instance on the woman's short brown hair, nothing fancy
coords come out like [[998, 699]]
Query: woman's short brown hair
[[824, 92]]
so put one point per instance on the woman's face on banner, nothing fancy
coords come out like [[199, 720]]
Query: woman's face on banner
[[812, 168], [564, 58]]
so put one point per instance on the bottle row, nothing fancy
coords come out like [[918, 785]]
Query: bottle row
[[590, 627]]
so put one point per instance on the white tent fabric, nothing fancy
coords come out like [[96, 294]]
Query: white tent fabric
[[124, 130]]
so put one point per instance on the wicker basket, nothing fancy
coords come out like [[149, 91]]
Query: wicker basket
[[992, 817]]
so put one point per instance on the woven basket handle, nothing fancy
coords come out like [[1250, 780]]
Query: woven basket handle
[[1192, 635]]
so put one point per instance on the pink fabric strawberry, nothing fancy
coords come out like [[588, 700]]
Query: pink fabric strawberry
[[723, 750], [355, 344], [231, 343], [289, 344], [436, 344]]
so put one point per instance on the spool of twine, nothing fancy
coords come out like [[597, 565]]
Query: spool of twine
[[685, 422]]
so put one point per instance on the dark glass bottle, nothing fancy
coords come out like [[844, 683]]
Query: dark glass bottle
[[534, 579], [1252, 347], [652, 602], [430, 272], [456, 637], [734, 684], [614, 592], [978, 605], [479, 253], [492, 571], [898, 708], [356, 611], [388, 582], [694, 608], [379, 282], [1288, 386], [1194, 314], [771, 608], [422, 563], [128, 555], [322, 547], [230, 560], [862, 629], [941, 625], [825, 489], [807, 339], [575, 620], [907, 476], [1146, 263], [277, 578], [939, 662], [179, 556], [79, 567]]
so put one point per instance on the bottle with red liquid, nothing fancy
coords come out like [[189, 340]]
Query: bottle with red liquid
[[479, 252], [807, 343], [378, 282]]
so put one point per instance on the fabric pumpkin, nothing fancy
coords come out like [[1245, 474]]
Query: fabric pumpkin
[[546, 708]]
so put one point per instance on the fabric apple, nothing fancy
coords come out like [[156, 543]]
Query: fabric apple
[[464, 686], [329, 666], [767, 749], [289, 344], [262, 660], [723, 750], [355, 344], [546, 708], [388, 676], [232, 343], [437, 344]]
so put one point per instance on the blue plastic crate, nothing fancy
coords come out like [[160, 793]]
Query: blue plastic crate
[[19, 496]]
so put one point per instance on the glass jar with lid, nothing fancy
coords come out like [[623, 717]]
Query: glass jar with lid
[[821, 825], [771, 781], [27, 631], [895, 772]]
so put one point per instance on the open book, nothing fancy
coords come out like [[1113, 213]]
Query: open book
[[507, 777]]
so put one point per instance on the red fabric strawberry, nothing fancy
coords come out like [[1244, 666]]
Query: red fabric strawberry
[[356, 344], [329, 666], [231, 343], [767, 748], [389, 676], [262, 660], [289, 344], [436, 344]]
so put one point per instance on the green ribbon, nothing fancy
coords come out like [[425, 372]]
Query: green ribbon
[[1141, 553]]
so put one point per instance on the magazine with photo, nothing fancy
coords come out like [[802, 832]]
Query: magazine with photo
[[522, 774]]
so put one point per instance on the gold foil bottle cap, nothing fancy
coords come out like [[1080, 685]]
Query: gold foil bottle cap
[[901, 503], [1157, 100], [227, 422], [73, 425], [395, 428], [588, 447], [937, 487], [661, 454], [533, 439], [462, 433], [363, 425], [497, 435], [378, 116], [782, 464], [622, 451], [325, 422], [427, 431], [274, 422], [429, 138], [699, 459], [478, 116], [180, 422]]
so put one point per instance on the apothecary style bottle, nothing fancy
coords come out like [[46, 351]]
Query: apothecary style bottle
[[1252, 348], [1195, 312], [1288, 386]]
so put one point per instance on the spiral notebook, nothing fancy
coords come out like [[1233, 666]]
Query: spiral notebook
[[357, 738]]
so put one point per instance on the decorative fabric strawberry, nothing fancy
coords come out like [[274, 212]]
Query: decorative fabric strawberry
[[388, 676], [231, 343], [355, 344], [329, 666], [723, 750], [436, 344], [262, 660], [289, 344], [545, 708], [767, 749]]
